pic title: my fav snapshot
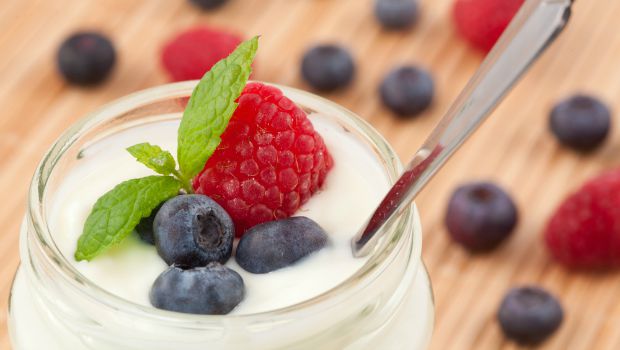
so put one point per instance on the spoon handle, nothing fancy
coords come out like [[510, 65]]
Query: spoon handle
[[534, 27]]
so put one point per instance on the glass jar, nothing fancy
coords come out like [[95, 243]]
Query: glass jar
[[387, 304]]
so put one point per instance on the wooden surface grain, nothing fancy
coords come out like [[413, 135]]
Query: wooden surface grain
[[513, 148]]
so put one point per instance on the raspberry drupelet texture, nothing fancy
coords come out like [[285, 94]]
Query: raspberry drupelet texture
[[270, 160]]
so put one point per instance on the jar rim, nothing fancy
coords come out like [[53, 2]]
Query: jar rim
[[389, 246]]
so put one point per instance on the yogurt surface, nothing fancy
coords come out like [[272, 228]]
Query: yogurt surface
[[351, 191]]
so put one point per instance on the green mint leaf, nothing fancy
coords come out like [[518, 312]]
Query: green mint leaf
[[153, 157], [210, 107], [116, 213]]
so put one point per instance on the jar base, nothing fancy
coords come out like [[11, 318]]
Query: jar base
[[27, 328], [29, 331]]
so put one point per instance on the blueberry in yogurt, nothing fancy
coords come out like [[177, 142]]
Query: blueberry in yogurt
[[193, 230]]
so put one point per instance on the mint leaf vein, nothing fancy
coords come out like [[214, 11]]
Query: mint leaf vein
[[116, 213], [154, 157], [210, 107]]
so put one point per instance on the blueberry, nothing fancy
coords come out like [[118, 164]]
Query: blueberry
[[145, 227], [86, 58], [208, 4], [529, 315], [407, 91], [480, 216], [193, 230], [277, 244], [580, 122], [327, 67], [210, 290], [396, 14]]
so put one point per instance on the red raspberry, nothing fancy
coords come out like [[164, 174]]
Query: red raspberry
[[193, 52], [270, 160], [585, 230], [482, 22]]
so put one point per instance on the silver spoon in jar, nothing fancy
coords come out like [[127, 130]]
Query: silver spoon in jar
[[535, 26]]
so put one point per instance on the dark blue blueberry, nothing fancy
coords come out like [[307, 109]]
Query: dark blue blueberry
[[407, 91], [327, 67], [277, 244], [193, 230], [86, 58], [396, 14], [580, 122], [208, 4], [529, 315], [480, 216], [211, 290], [145, 227]]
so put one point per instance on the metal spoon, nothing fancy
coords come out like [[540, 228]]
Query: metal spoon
[[534, 27]]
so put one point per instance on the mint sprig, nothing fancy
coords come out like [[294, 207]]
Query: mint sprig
[[154, 157], [115, 214], [210, 107]]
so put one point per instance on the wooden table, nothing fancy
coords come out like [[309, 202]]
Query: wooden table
[[514, 148]]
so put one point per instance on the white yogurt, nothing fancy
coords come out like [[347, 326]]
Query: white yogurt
[[352, 189]]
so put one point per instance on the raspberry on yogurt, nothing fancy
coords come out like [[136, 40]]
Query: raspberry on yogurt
[[270, 160]]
